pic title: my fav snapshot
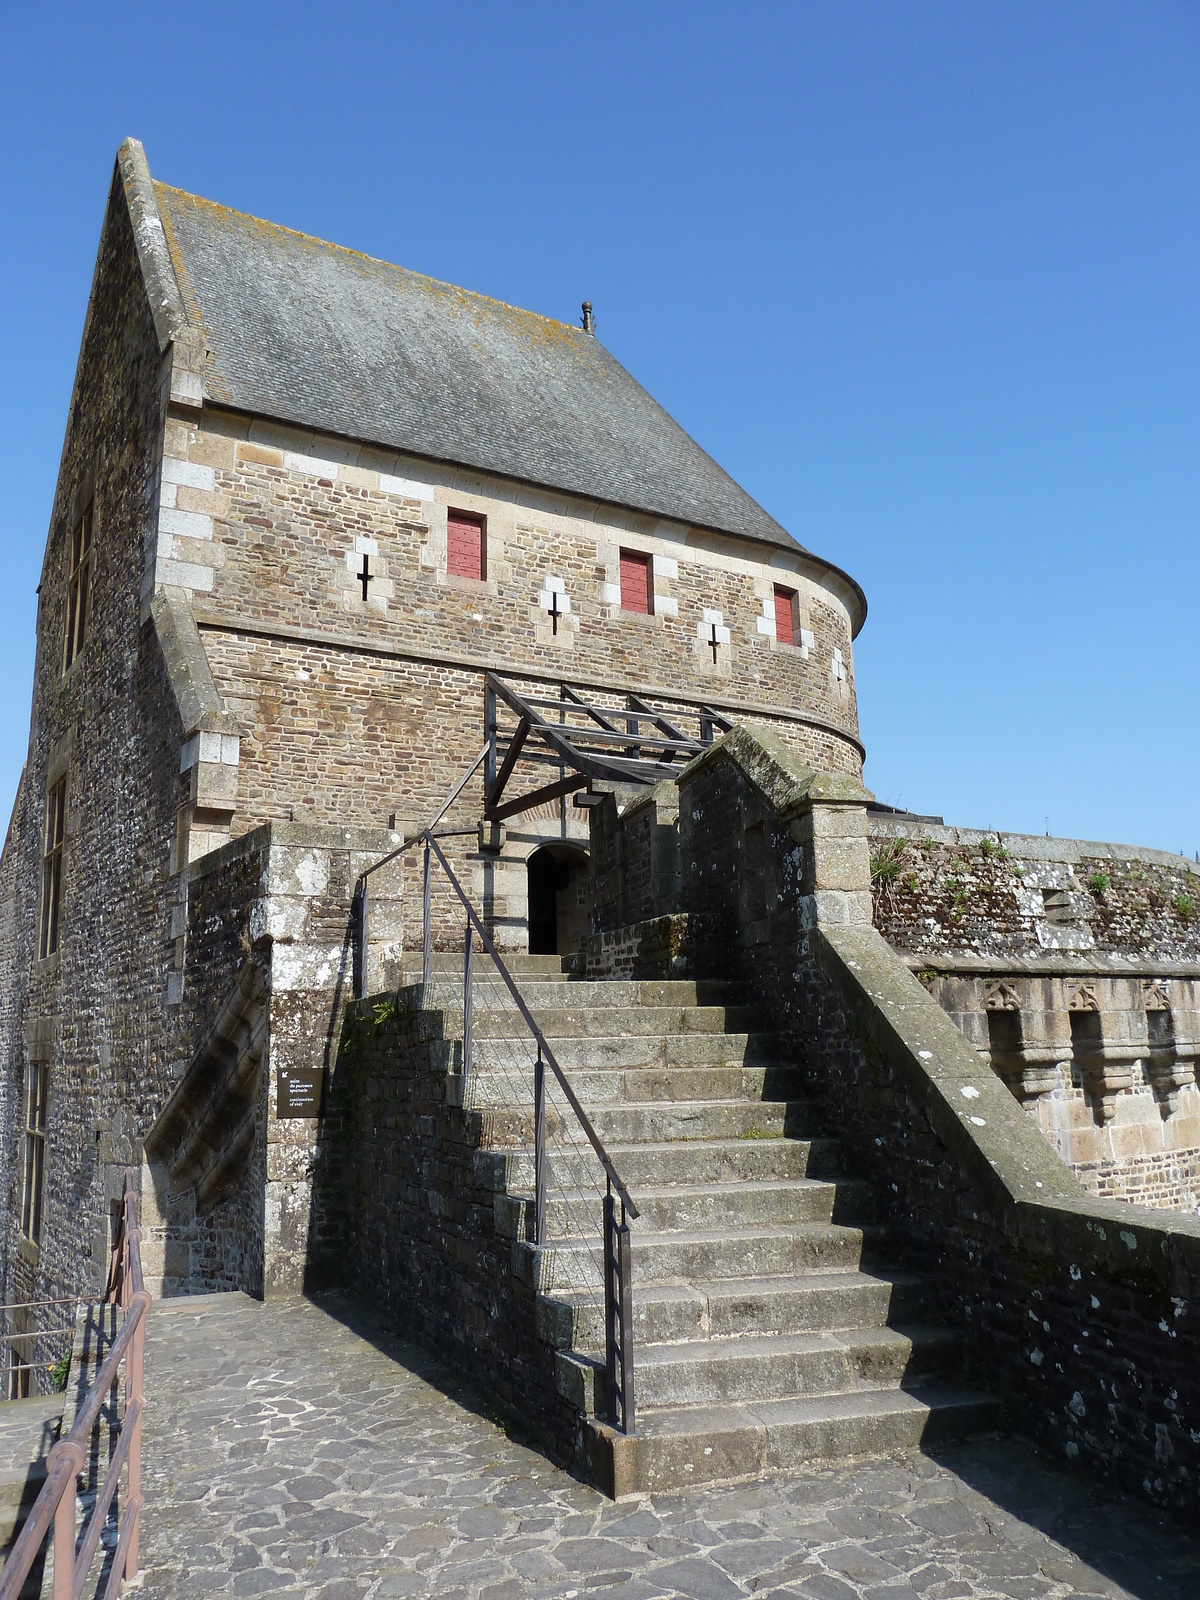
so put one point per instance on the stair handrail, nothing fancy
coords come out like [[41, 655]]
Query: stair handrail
[[56, 1499], [618, 1298], [360, 905]]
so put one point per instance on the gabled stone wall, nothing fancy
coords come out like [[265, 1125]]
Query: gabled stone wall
[[96, 1010]]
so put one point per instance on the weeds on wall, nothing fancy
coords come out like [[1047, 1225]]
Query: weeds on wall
[[885, 863]]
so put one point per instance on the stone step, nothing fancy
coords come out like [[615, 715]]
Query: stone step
[[716, 1443], [491, 993], [699, 1256], [540, 987], [683, 1208], [654, 1122], [749, 1368], [664, 1312], [682, 1161], [613, 1051], [607, 1022], [497, 1081]]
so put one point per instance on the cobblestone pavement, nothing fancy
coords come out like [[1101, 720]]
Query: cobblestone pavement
[[297, 1450]]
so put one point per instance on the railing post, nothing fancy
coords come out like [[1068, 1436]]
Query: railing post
[[611, 1308], [539, 1150], [618, 1317], [625, 1318], [359, 916], [427, 947], [137, 1373], [64, 1544], [468, 996]]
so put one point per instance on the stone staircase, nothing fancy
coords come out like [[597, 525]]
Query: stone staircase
[[769, 1330]]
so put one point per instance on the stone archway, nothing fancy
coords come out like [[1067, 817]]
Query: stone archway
[[559, 899]]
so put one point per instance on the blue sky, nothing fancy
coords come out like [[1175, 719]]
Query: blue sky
[[924, 277]]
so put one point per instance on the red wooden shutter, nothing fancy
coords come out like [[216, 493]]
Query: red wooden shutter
[[783, 616], [635, 582], [464, 546]]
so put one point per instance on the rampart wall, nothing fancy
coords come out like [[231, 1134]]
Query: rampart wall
[[1075, 969], [1081, 1312]]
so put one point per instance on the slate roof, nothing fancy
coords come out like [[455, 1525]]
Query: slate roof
[[313, 334]]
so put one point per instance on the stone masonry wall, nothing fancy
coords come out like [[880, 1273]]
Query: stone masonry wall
[[420, 1238], [1091, 1339], [941, 891], [1075, 969], [268, 527], [95, 1010]]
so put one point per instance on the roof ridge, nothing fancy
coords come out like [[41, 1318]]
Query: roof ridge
[[362, 255]]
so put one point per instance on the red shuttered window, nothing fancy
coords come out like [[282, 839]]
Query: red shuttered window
[[785, 631], [466, 546], [637, 592]]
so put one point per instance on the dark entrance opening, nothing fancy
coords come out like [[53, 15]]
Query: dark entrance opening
[[559, 900]]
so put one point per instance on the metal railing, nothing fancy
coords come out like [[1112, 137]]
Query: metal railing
[[31, 1355], [511, 1044], [361, 907], [501, 1040], [56, 1504]]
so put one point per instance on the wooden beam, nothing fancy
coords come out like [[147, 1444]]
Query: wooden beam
[[510, 761], [570, 695], [660, 722], [536, 797]]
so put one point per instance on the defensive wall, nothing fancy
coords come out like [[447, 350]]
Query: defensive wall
[[1081, 1311], [1075, 969]]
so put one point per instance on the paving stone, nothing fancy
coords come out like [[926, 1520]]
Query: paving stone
[[394, 1485]]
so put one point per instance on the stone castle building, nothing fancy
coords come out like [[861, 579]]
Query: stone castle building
[[307, 501], [321, 524]]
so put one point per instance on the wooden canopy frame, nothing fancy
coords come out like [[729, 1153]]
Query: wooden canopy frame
[[586, 738]]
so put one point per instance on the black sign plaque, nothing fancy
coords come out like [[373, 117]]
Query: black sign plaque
[[301, 1091]]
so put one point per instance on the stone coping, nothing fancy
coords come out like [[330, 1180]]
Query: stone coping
[[1027, 846], [1038, 1199], [777, 772], [1047, 964], [300, 836]]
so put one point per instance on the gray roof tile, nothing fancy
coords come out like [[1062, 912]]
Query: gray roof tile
[[313, 334]]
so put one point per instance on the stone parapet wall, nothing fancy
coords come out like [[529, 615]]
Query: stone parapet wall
[[1074, 968], [941, 891], [268, 973], [1082, 1313]]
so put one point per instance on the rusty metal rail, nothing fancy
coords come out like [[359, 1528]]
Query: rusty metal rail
[[56, 1502]]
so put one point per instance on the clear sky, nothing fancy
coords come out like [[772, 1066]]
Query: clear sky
[[923, 277]]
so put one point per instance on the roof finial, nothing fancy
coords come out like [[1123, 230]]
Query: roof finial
[[589, 322]]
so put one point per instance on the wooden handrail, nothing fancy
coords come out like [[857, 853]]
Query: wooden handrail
[[56, 1501]]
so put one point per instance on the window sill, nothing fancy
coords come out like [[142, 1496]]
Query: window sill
[[474, 586], [28, 1251], [47, 966]]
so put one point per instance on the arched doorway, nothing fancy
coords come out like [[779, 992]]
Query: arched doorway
[[559, 900]]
